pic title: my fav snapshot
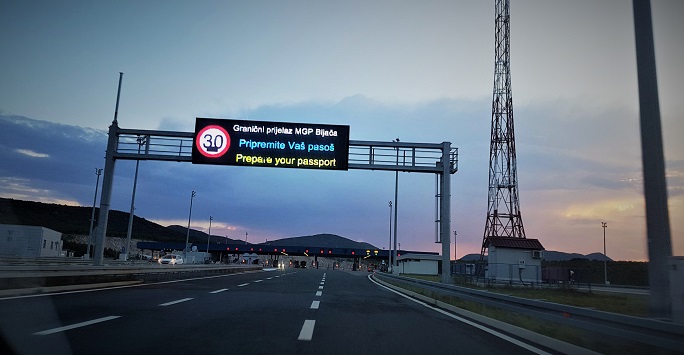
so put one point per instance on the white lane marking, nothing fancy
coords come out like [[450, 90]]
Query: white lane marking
[[258, 280], [315, 304], [77, 325], [240, 285], [322, 283], [276, 276], [478, 326], [221, 290], [307, 330], [174, 302], [319, 293], [268, 278], [324, 274], [320, 287]]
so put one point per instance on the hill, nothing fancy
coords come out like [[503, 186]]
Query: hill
[[75, 220], [323, 240]]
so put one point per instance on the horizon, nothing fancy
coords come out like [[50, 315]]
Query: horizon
[[421, 72]]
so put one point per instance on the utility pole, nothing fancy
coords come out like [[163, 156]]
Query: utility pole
[[92, 216], [653, 163], [141, 140], [605, 257], [187, 235], [389, 260], [209, 236]]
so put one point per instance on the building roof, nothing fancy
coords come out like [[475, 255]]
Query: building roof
[[419, 257], [515, 243]]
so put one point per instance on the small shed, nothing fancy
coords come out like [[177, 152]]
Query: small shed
[[514, 260], [419, 264], [29, 241]]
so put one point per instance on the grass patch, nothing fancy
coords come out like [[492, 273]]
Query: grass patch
[[627, 304]]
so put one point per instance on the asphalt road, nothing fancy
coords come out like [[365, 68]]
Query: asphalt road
[[294, 311]]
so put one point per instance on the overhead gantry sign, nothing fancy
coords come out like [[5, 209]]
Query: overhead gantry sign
[[278, 144], [270, 144]]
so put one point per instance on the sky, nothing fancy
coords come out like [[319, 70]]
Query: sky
[[421, 71]]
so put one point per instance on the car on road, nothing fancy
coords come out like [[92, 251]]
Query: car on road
[[172, 259]]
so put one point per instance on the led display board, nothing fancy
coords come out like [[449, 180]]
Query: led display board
[[270, 144]]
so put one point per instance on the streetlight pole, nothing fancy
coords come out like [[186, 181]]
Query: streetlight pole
[[141, 140], [209, 236], [455, 257], [605, 267], [92, 216], [187, 236], [389, 260]]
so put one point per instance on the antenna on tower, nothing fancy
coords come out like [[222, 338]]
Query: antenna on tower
[[503, 207]]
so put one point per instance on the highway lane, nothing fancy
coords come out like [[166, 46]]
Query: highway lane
[[304, 311]]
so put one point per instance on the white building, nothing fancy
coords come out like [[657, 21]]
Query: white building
[[514, 260], [418, 264], [29, 241]]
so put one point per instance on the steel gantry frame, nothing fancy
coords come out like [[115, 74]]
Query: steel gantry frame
[[123, 144]]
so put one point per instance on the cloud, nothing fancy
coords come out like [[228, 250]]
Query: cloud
[[573, 174], [31, 153]]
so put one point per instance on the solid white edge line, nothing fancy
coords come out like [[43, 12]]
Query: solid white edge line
[[463, 320], [315, 304], [77, 325], [306, 333], [174, 302], [221, 290]]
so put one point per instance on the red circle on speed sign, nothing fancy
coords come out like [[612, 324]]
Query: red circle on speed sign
[[212, 141]]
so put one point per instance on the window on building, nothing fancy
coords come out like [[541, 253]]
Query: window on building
[[44, 241], [52, 245]]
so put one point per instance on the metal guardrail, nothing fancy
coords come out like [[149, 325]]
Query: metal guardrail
[[24, 277], [653, 332]]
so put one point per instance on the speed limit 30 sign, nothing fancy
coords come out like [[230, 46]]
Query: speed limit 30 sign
[[212, 141]]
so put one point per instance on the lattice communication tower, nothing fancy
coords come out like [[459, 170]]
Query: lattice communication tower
[[503, 207]]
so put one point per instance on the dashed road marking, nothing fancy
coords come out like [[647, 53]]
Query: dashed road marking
[[82, 324], [319, 293], [320, 287], [174, 302], [307, 330], [245, 284], [258, 281], [315, 304], [218, 291]]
